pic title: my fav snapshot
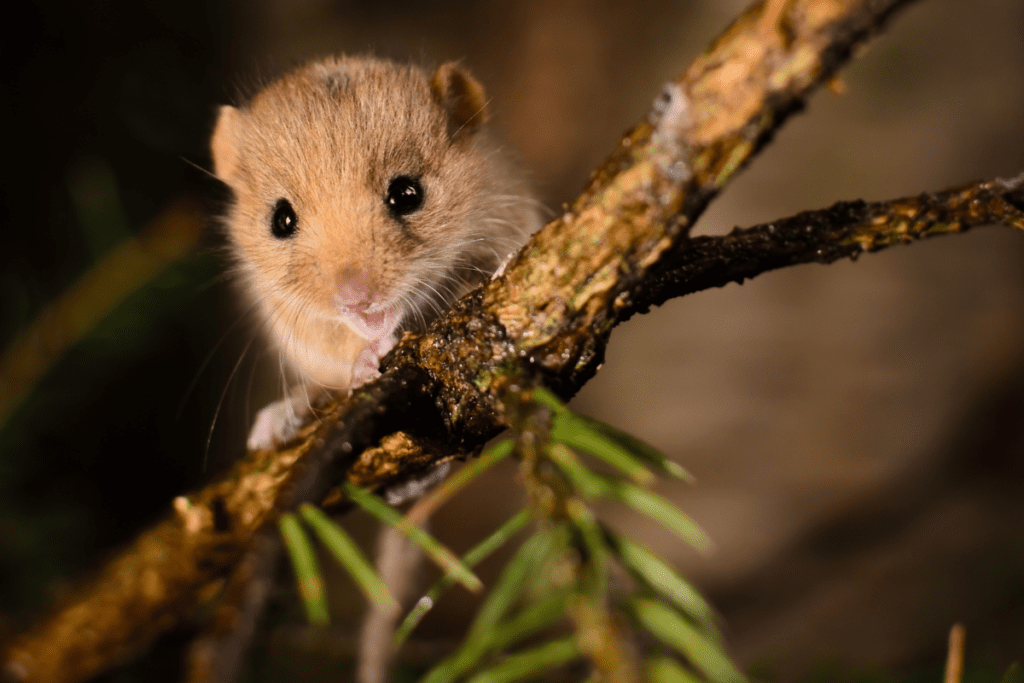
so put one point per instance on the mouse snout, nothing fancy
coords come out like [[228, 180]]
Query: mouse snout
[[356, 295], [355, 290]]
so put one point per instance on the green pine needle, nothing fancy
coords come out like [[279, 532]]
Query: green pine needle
[[474, 556], [661, 510], [307, 570], [511, 584], [576, 433], [672, 629], [434, 549], [547, 399], [528, 621], [1013, 674], [526, 664], [348, 555], [591, 485], [620, 449], [595, 547], [661, 577], [637, 448], [668, 670]]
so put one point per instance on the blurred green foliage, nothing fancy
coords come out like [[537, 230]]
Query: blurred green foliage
[[107, 108]]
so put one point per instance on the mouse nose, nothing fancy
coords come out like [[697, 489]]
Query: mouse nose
[[356, 295], [354, 290]]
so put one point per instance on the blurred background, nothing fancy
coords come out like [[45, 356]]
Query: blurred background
[[856, 430]]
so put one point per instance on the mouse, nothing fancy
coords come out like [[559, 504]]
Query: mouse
[[368, 195]]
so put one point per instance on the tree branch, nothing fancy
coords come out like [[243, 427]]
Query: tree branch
[[844, 230], [622, 247]]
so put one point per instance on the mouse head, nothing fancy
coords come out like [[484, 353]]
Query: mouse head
[[361, 197]]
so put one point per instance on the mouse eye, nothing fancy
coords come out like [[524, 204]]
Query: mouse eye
[[405, 195], [284, 223]]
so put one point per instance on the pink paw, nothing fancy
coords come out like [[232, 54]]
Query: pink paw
[[277, 423], [367, 365]]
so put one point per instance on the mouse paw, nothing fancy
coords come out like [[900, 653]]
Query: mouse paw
[[366, 368], [367, 365], [414, 489], [277, 423]]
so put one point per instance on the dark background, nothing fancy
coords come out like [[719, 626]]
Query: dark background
[[856, 429]]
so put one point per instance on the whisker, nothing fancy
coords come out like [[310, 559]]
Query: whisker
[[220, 402]]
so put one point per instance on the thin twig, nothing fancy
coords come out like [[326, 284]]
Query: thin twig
[[844, 230], [955, 657]]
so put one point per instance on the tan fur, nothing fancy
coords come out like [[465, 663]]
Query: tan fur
[[329, 137], [225, 151], [462, 96]]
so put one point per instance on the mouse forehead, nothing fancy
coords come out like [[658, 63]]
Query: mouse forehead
[[345, 121]]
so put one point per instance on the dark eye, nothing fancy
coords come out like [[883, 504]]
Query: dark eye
[[405, 195], [284, 223]]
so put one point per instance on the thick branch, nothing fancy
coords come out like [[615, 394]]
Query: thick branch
[[550, 316]]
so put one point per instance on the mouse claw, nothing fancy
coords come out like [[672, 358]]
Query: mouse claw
[[366, 368], [501, 269], [277, 423]]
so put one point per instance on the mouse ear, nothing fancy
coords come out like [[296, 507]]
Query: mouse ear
[[462, 97], [224, 144]]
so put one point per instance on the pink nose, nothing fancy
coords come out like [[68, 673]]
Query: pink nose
[[354, 290], [356, 295]]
